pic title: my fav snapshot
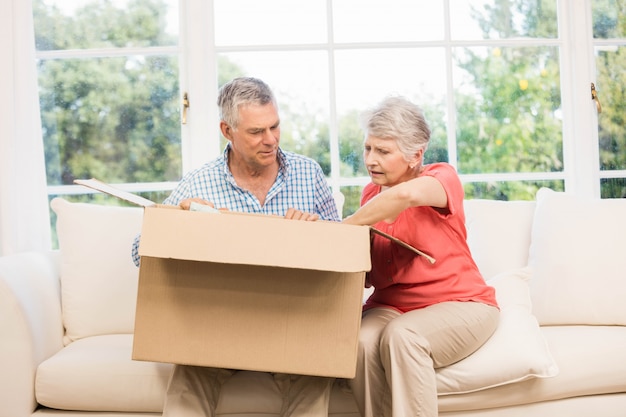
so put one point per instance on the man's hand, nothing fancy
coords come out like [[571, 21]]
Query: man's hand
[[186, 203], [293, 214]]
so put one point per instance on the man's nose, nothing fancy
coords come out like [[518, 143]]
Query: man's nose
[[269, 137]]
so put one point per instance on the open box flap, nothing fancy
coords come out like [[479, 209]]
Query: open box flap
[[115, 192], [143, 202], [248, 239], [403, 244]]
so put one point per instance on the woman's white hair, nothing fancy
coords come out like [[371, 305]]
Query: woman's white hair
[[399, 119]]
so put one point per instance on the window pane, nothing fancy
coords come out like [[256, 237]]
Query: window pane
[[613, 188], [366, 76], [509, 190], [254, 22], [387, 20], [508, 110], [493, 19], [115, 119], [300, 83], [611, 87], [609, 22], [352, 201], [83, 24], [609, 18]]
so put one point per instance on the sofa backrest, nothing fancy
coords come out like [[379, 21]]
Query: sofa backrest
[[98, 277], [99, 280], [498, 234], [578, 260]]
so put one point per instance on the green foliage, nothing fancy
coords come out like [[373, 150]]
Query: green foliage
[[100, 24], [508, 105], [611, 89], [117, 117], [609, 21]]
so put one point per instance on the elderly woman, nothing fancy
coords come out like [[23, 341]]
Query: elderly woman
[[421, 315]]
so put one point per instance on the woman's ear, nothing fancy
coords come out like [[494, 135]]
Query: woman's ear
[[417, 160]]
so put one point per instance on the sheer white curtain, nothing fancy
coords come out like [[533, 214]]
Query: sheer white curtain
[[24, 218]]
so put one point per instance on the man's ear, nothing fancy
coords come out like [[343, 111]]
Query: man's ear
[[226, 130]]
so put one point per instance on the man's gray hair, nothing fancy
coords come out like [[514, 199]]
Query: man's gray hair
[[239, 92]]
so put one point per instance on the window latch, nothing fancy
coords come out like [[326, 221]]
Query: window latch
[[594, 97], [185, 107]]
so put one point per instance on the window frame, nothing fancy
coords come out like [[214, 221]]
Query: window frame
[[200, 139]]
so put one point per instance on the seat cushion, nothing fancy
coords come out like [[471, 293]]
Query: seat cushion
[[97, 374], [517, 351], [590, 361]]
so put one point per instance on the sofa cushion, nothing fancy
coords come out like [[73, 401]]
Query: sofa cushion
[[515, 352], [98, 276], [96, 374], [590, 360], [578, 260], [498, 234]]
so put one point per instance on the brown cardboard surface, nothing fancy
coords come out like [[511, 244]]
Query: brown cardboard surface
[[238, 238], [240, 291], [244, 291], [140, 201], [242, 317]]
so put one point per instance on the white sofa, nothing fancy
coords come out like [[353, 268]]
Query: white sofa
[[66, 320]]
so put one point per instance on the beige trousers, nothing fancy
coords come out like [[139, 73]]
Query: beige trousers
[[398, 354], [194, 391]]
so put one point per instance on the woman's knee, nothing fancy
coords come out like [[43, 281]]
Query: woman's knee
[[372, 326], [397, 335]]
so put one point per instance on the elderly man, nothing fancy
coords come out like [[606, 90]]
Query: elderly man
[[253, 175]]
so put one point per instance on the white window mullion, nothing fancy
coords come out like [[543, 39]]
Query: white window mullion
[[200, 136], [333, 128], [450, 100], [580, 121]]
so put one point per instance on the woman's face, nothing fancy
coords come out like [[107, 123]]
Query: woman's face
[[385, 163]]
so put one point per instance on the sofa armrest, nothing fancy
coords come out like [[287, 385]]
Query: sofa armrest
[[31, 326]]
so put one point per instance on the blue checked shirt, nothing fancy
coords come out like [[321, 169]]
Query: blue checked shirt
[[300, 184]]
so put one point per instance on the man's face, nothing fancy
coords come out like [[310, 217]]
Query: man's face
[[255, 141]]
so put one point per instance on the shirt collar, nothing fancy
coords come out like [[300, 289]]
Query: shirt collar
[[283, 163]]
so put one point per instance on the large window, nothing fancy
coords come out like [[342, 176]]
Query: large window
[[609, 39], [505, 85]]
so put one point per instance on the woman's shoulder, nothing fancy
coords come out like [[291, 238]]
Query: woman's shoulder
[[443, 171], [369, 191], [439, 167]]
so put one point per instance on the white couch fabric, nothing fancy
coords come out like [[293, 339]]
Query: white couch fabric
[[90, 289], [98, 276], [578, 256]]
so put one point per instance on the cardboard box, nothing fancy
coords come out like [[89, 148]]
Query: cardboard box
[[245, 291]]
